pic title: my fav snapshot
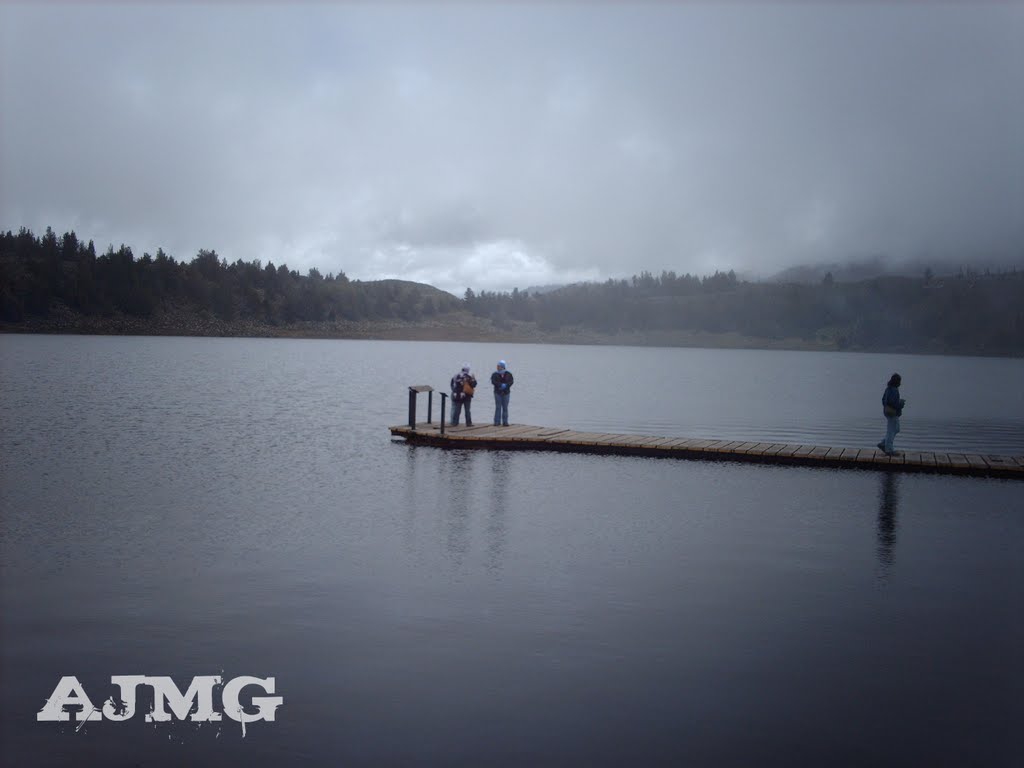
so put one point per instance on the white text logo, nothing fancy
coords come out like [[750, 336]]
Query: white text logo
[[69, 697]]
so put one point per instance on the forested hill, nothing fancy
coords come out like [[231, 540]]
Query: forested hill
[[37, 272], [59, 276], [966, 313]]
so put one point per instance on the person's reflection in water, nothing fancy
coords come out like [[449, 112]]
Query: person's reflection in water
[[496, 509], [456, 466], [888, 506]]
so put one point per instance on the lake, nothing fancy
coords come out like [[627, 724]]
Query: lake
[[186, 506]]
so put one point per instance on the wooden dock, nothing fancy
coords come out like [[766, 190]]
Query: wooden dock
[[525, 437]]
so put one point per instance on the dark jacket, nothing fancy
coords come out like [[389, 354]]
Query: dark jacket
[[891, 398], [497, 379], [458, 395]]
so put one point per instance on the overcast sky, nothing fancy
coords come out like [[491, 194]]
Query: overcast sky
[[512, 146]]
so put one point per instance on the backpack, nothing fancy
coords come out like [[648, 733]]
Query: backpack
[[467, 387], [458, 393]]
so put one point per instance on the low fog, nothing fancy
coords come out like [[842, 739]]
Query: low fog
[[514, 146]]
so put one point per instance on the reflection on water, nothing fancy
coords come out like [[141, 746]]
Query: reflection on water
[[456, 484], [473, 503], [405, 514], [888, 507], [497, 509]]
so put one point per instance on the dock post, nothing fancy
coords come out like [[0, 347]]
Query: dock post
[[444, 397], [413, 391]]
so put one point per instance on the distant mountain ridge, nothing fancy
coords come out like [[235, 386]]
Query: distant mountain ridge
[[537, 290]]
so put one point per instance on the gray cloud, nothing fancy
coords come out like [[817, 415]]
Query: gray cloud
[[503, 146]]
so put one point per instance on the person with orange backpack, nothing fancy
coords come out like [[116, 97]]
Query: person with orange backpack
[[463, 388]]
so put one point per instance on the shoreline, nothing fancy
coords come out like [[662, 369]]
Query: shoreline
[[457, 328]]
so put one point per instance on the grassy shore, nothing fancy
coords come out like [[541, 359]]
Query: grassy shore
[[458, 326], [451, 326]]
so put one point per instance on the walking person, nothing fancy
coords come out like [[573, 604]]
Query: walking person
[[502, 380], [892, 408], [463, 387]]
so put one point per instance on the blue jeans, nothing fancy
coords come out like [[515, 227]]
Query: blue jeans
[[501, 408], [892, 426], [457, 406]]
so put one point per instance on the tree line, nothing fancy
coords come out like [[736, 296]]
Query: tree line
[[36, 271], [963, 313]]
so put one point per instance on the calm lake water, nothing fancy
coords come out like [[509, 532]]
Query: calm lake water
[[236, 507]]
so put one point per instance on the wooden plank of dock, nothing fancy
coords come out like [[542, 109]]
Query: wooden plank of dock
[[1000, 461], [525, 436]]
